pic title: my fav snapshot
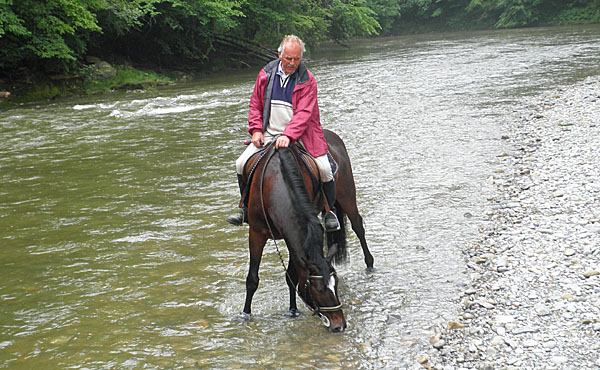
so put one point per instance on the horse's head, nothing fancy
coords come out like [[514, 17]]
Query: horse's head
[[321, 293]]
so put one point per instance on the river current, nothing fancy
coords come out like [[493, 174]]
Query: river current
[[114, 252]]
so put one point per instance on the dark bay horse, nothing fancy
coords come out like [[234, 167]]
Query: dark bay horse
[[283, 204]]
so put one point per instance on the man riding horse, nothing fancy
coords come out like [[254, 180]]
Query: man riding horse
[[284, 108]]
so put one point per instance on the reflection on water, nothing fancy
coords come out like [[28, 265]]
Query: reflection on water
[[115, 253]]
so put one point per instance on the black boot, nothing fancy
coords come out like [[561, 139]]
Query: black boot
[[330, 220], [242, 216]]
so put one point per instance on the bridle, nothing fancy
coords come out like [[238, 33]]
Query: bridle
[[316, 310], [317, 307]]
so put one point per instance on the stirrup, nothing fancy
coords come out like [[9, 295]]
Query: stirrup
[[331, 222]]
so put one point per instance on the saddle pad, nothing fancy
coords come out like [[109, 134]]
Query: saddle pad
[[333, 163]]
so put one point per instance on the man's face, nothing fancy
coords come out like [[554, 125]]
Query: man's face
[[291, 57]]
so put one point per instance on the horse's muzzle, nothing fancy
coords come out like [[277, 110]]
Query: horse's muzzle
[[338, 328], [335, 323]]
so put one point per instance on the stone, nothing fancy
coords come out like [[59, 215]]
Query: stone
[[497, 340], [105, 70], [452, 325], [439, 344], [559, 360], [542, 310], [504, 319], [484, 304], [590, 273], [524, 329]]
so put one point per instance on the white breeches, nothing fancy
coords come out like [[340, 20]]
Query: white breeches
[[322, 161]]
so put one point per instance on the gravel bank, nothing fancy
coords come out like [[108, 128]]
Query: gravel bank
[[533, 299]]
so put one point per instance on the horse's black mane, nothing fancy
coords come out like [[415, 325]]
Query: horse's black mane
[[313, 244]]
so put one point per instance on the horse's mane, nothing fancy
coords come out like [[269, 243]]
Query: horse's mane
[[313, 244]]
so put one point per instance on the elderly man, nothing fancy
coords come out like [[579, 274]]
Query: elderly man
[[284, 106]]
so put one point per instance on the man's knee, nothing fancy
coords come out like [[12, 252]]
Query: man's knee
[[324, 168], [239, 165]]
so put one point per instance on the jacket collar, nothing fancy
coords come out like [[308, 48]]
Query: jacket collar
[[302, 71]]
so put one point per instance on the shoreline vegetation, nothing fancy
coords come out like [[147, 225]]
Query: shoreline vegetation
[[75, 47]]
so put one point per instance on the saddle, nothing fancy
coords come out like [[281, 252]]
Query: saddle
[[300, 153]]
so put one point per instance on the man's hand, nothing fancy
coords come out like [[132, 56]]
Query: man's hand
[[258, 139], [282, 142]]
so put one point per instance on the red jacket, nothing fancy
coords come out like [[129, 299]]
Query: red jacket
[[305, 124]]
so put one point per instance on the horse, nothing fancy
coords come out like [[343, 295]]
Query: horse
[[283, 203]]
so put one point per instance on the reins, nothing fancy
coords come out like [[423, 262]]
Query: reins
[[317, 310]]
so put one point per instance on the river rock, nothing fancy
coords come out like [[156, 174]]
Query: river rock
[[439, 344], [452, 325], [539, 220], [104, 70], [591, 273]]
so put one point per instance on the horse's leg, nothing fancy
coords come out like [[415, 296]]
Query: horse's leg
[[257, 243], [359, 228], [291, 278], [348, 204]]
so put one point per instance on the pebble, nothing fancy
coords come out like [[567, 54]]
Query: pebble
[[497, 340], [542, 310], [560, 360], [452, 325], [590, 273], [439, 344], [534, 283]]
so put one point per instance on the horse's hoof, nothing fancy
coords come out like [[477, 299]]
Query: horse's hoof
[[371, 269], [293, 313], [245, 317]]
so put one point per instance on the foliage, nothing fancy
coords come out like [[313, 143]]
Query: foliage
[[267, 21], [32, 30], [352, 18], [55, 36]]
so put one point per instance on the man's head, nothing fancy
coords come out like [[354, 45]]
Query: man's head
[[290, 53]]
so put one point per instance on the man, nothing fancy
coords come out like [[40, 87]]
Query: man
[[284, 106]]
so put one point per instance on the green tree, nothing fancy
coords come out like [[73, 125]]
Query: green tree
[[352, 18], [46, 32]]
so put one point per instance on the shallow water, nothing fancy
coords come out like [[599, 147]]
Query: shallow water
[[115, 253]]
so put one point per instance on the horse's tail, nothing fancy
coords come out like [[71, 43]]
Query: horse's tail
[[313, 244], [339, 237]]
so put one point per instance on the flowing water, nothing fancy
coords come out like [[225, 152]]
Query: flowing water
[[114, 249]]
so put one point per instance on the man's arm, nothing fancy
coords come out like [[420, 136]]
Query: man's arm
[[304, 110], [257, 104]]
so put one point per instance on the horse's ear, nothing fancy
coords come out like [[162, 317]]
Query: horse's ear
[[331, 251]]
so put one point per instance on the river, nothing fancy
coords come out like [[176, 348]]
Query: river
[[114, 249]]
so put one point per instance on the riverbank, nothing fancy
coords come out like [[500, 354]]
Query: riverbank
[[95, 78], [533, 301]]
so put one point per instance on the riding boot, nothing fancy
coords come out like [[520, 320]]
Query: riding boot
[[330, 220], [242, 216]]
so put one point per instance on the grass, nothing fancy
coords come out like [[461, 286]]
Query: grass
[[126, 78]]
